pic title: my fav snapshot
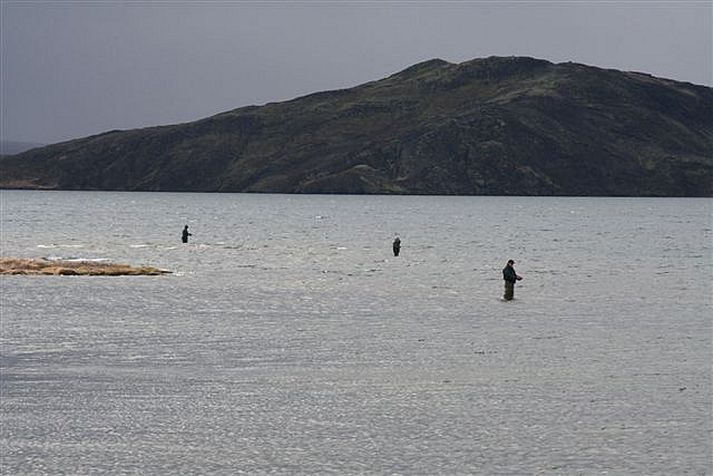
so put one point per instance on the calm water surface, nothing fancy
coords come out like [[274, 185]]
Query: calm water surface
[[289, 340]]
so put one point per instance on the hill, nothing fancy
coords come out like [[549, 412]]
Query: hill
[[493, 126]]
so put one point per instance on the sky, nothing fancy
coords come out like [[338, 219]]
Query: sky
[[70, 69]]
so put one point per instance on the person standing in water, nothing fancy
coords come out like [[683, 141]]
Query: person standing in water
[[397, 246], [185, 234], [510, 276]]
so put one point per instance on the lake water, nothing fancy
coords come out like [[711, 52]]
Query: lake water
[[289, 340]]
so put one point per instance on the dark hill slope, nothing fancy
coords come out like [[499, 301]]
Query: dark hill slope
[[488, 126]]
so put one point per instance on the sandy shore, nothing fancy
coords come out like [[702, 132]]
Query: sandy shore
[[73, 268]]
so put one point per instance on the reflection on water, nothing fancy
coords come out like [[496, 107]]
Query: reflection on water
[[291, 340]]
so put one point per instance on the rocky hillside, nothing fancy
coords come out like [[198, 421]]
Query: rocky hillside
[[493, 126]]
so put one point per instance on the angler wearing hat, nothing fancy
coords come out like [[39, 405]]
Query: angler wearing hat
[[510, 276]]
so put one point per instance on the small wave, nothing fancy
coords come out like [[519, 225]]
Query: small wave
[[75, 259], [53, 245], [58, 258], [138, 246]]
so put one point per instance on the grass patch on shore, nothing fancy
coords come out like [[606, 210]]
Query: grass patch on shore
[[21, 266]]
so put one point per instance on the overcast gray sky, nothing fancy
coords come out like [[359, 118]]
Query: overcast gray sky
[[76, 68]]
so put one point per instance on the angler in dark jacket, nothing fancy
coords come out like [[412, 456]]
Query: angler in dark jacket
[[510, 276], [185, 234]]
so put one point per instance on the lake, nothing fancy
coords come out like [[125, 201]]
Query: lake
[[290, 340]]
